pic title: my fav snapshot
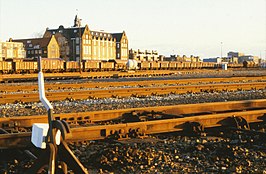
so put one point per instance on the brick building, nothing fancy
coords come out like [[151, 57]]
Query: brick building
[[92, 45], [44, 47], [146, 55], [10, 50]]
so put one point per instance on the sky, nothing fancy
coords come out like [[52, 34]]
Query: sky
[[205, 28]]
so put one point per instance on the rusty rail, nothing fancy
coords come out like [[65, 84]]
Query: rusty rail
[[150, 127], [127, 92], [108, 74], [57, 86], [97, 116]]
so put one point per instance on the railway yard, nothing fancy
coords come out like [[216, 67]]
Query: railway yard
[[187, 121]]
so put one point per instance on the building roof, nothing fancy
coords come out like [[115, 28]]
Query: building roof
[[101, 34], [33, 42], [72, 32], [118, 36]]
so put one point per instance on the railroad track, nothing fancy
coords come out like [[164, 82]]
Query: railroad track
[[180, 117], [93, 75], [6, 78], [126, 92], [82, 85]]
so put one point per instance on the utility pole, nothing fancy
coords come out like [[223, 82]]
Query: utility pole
[[221, 49], [80, 46], [80, 40]]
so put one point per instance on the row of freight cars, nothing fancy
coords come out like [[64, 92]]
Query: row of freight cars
[[59, 65]]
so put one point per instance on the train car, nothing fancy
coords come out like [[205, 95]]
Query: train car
[[71, 66], [52, 65], [120, 65], [154, 65], [186, 65], [172, 65], [5, 67], [179, 65], [164, 65], [144, 65], [249, 64], [208, 65], [194, 65], [235, 65], [25, 66], [91, 65], [107, 66]]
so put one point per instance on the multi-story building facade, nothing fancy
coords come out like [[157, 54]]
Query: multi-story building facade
[[232, 54], [146, 55], [255, 59], [44, 47], [237, 57], [184, 58], [82, 42], [10, 50]]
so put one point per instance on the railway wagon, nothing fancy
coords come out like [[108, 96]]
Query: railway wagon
[[107, 66], [164, 65], [179, 65], [172, 65], [120, 64], [71, 66], [208, 65], [25, 66], [154, 65], [186, 65], [249, 64], [52, 65], [6, 67], [235, 65], [91, 65], [195, 65], [144, 65]]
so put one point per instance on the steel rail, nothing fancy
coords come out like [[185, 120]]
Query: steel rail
[[97, 116], [82, 85], [105, 74], [18, 140], [127, 92]]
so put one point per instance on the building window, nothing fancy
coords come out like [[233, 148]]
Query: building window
[[86, 50], [77, 50], [118, 45], [118, 55], [77, 40]]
